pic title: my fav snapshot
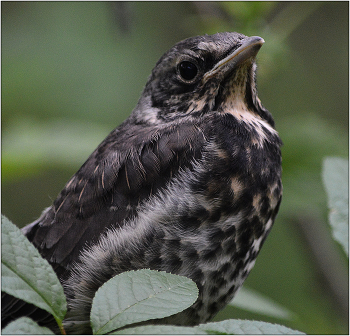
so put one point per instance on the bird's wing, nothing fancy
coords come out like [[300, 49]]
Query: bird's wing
[[131, 164]]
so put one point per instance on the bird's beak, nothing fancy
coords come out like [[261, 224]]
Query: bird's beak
[[249, 48]]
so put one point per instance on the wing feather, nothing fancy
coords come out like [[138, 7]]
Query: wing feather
[[129, 166]]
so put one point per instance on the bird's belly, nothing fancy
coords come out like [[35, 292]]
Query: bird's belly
[[220, 224], [219, 266]]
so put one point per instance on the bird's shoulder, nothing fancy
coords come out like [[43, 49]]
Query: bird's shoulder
[[133, 163]]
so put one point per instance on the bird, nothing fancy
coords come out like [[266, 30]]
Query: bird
[[190, 184]]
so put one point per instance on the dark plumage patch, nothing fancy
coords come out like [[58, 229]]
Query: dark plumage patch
[[212, 252], [229, 246]]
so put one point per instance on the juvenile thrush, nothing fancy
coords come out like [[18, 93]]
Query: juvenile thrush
[[189, 184]]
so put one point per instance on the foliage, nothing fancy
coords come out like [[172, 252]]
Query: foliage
[[25, 326], [336, 181], [146, 295], [26, 275], [227, 327]]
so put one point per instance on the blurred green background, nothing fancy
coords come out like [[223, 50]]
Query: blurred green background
[[72, 71]]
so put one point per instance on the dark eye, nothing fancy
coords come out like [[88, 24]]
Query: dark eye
[[187, 70]]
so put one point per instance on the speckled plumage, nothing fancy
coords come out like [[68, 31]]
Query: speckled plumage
[[190, 184]]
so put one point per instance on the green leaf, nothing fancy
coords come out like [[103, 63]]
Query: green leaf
[[137, 296], [251, 300], [26, 275], [159, 330], [227, 327], [245, 327], [336, 181], [25, 326]]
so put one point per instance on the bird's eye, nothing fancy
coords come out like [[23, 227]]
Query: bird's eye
[[187, 70]]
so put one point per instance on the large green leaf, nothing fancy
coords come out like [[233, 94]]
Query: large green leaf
[[336, 181], [26, 275], [159, 330], [244, 327], [25, 326], [137, 296], [227, 327]]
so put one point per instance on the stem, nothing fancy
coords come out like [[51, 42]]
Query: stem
[[60, 325]]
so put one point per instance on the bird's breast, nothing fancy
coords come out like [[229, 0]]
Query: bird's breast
[[229, 202], [207, 223]]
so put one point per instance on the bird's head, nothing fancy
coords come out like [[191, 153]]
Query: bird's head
[[210, 73]]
